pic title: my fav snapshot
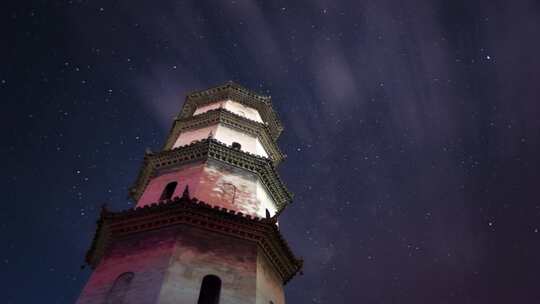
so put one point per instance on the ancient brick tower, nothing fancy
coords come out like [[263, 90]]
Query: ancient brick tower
[[204, 229]]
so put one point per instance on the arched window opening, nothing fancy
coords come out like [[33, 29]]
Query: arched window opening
[[210, 290], [168, 191], [120, 287], [236, 146], [268, 214]]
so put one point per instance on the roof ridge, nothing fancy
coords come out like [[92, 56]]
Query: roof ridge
[[227, 85]]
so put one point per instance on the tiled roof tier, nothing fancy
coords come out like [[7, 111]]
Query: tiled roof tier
[[235, 92], [189, 211], [211, 148], [229, 119]]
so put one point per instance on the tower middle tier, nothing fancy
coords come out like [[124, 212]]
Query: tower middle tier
[[214, 172]]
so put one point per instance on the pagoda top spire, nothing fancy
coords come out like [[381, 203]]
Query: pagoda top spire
[[235, 92]]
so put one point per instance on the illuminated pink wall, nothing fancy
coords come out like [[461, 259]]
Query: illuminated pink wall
[[232, 106], [249, 142], [146, 255], [269, 285], [187, 137], [199, 253], [224, 134], [216, 188], [212, 182], [169, 265], [208, 107], [189, 174], [229, 187]]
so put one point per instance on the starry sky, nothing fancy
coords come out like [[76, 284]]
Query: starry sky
[[412, 130]]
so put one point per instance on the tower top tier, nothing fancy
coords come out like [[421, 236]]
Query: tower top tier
[[235, 92]]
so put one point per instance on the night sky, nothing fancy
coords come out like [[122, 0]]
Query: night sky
[[412, 130]]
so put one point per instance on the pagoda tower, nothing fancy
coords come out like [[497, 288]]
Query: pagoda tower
[[205, 226]]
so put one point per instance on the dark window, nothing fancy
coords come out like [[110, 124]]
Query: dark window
[[268, 214], [210, 289], [168, 191], [236, 146], [118, 291]]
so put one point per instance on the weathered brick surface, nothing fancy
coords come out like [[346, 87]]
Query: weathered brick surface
[[224, 134], [269, 285], [233, 106], [229, 187], [216, 183], [185, 175], [169, 266], [147, 255], [199, 253], [186, 137]]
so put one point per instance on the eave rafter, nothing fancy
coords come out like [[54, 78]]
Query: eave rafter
[[235, 92], [113, 226], [223, 116], [211, 148]]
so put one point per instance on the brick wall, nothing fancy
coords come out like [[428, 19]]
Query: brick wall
[[170, 264]]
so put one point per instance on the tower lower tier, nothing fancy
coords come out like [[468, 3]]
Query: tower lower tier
[[185, 251]]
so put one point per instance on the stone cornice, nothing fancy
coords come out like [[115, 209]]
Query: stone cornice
[[185, 211], [223, 116], [233, 91], [211, 148]]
